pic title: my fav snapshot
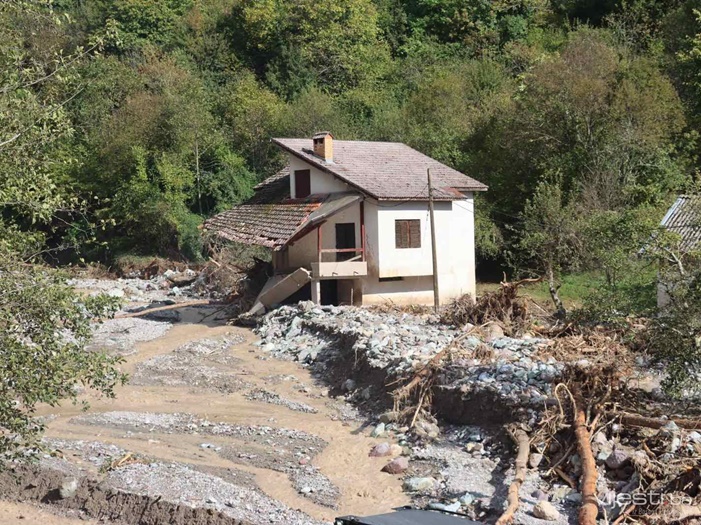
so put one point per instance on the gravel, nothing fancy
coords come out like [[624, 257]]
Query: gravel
[[200, 364], [183, 485], [121, 335], [266, 396]]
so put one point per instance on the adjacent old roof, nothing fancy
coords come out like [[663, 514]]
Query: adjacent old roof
[[385, 170], [273, 189], [274, 225], [684, 219]]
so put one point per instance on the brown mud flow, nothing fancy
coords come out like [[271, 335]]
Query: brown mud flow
[[204, 401]]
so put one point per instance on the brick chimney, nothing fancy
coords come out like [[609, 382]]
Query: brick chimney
[[323, 145]]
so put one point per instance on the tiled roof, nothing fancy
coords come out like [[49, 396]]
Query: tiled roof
[[386, 170], [274, 225], [273, 189], [269, 225], [684, 219]]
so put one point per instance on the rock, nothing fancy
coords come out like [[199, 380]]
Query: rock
[[388, 417], [68, 488], [600, 438], [426, 428], [546, 511], [694, 437], [116, 292], [395, 450], [466, 499], [669, 430], [378, 431], [453, 507], [539, 495], [535, 459], [381, 450], [617, 459], [676, 443], [212, 500], [348, 385], [418, 484], [303, 461], [396, 466], [306, 490], [574, 497], [493, 331]]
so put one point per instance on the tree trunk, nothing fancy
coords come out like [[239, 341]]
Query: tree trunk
[[554, 289], [589, 509], [524, 444]]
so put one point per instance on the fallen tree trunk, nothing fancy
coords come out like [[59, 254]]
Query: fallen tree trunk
[[636, 420], [523, 443], [167, 307], [589, 509]]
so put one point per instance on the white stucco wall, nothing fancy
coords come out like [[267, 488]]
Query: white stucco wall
[[320, 181], [304, 251], [455, 251]]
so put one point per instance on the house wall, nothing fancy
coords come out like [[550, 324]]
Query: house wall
[[454, 247], [304, 251], [320, 181]]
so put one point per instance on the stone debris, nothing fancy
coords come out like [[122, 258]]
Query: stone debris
[[121, 335], [183, 485], [161, 288], [278, 449], [206, 364], [545, 511], [266, 396], [400, 343], [96, 453]]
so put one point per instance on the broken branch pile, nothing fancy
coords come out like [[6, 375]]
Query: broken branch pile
[[503, 306]]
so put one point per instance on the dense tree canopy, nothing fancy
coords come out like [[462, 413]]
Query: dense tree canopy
[[159, 112]]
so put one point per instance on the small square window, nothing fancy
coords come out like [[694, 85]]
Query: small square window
[[407, 233]]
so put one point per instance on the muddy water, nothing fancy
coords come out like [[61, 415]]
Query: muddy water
[[363, 488]]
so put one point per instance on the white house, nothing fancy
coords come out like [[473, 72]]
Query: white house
[[351, 220]]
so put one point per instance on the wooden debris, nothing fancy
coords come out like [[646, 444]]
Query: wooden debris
[[636, 420], [589, 508], [503, 306], [523, 443], [184, 304]]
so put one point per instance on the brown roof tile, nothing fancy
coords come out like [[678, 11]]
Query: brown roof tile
[[386, 170], [269, 225], [273, 189]]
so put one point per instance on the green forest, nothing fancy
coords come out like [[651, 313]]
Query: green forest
[[125, 123]]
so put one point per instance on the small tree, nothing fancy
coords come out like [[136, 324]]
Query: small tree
[[549, 236]]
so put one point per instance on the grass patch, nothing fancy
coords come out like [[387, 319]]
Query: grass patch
[[575, 287]]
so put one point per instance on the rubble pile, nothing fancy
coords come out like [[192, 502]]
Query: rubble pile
[[162, 287], [399, 344]]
